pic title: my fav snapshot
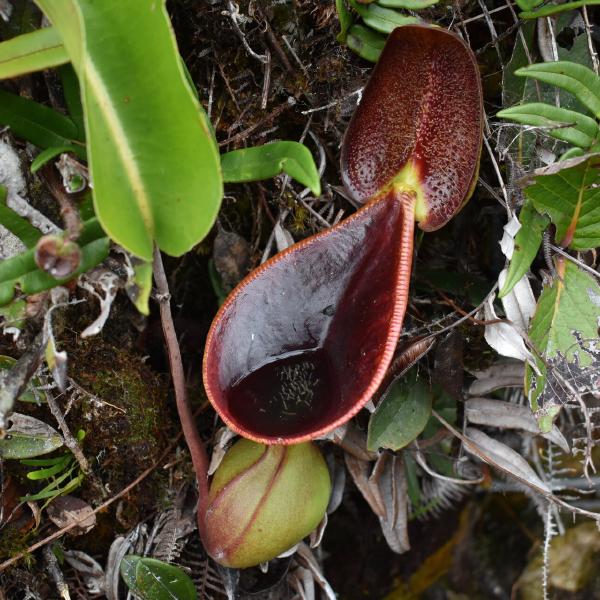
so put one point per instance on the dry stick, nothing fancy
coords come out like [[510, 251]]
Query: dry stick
[[192, 437], [239, 137], [70, 441]]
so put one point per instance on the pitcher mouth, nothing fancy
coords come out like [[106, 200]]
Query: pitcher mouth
[[302, 343]]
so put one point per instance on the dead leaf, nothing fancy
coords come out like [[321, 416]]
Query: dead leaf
[[504, 337], [393, 490], [232, 258], [65, 510], [223, 438], [507, 415], [502, 374], [359, 471], [503, 457]]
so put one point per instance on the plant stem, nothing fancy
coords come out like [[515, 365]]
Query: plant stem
[[192, 437]]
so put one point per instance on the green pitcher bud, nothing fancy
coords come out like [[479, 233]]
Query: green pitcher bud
[[262, 501]]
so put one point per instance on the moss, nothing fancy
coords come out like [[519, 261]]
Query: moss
[[124, 414], [12, 542]]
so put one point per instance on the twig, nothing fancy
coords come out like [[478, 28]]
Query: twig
[[70, 441], [580, 264], [266, 81], [234, 11], [588, 33], [333, 103], [56, 573], [273, 114]]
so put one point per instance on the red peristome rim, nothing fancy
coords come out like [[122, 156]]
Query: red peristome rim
[[407, 202]]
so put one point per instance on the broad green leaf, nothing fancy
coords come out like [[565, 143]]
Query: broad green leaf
[[571, 198], [345, 18], [408, 4], [28, 437], [152, 579], [552, 9], [264, 162], [367, 43], [583, 131], [577, 79], [401, 415], [31, 52], [22, 271], [47, 155], [152, 158], [381, 19], [564, 330], [17, 224], [38, 124], [527, 243]]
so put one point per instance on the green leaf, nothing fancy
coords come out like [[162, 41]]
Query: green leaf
[[572, 153], [564, 330], [264, 162], [44, 462], [28, 437], [577, 79], [47, 472], [527, 243], [38, 124], [401, 415], [53, 489], [381, 19], [552, 9], [408, 4], [527, 4], [365, 42], [570, 196], [72, 95], [583, 131], [345, 18], [31, 52], [140, 286], [22, 271], [17, 224], [153, 579], [165, 189], [14, 314], [47, 155]]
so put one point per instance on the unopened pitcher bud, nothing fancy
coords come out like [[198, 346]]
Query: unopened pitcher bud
[[263, 500]]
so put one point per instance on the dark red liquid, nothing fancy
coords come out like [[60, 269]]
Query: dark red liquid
[[287, 396]]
